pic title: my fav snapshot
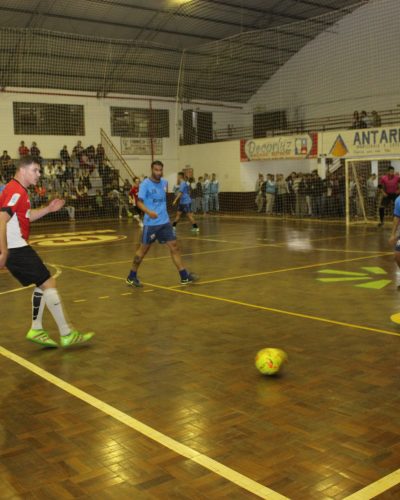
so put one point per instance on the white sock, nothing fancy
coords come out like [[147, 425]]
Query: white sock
[[38, 303], [53, 302]]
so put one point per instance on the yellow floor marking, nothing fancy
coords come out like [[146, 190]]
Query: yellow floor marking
[[104, 297], [209, 239], [247, 304], [234, 249], [147, 291], [79, 300], [376, 488], [169, 257], [345, 250], [297, 268], [160, 438], [127, 293], [395, 318], [276, 218]]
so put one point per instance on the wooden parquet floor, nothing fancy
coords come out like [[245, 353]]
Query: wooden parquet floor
[[181, 362]]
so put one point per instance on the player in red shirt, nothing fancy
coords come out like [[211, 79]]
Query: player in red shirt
[[133, 198], [23, 150], [24, 263], [390, 186]]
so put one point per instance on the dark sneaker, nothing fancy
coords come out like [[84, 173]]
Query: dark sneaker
[[133, 282], [190, 279]]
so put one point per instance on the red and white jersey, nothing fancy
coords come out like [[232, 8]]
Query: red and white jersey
[[14, 200], [134, 193]]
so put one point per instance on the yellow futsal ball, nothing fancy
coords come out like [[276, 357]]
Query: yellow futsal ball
[[269, 361]]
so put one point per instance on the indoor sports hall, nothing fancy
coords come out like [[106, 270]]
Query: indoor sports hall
[[284, 119]]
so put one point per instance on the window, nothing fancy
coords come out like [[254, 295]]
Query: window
[[270, 121], [139, 122], [197, 127], [48, 119]]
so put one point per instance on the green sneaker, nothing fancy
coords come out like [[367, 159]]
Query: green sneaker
[[40, 337], [75, 338]]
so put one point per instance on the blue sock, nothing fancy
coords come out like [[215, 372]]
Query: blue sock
[[184, 274], [132, 275]]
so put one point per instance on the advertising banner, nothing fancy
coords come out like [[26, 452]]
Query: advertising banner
[[384, 141], [279, 148]]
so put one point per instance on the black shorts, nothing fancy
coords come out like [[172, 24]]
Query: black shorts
[[136, 210], [26, 266], [390, 198]]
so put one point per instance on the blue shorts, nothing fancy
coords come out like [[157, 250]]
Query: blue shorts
[[185, 208], [162, 233]]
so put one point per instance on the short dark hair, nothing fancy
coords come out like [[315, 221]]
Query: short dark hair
[[390, 167], [181, 174], [157, 162], [27, 160]]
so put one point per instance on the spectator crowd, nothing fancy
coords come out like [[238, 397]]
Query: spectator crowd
[[364, 120], [87, 182], [83, 177]]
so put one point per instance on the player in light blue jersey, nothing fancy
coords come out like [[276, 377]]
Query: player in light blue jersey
[[185, 202], [395, 237], [152, 200]]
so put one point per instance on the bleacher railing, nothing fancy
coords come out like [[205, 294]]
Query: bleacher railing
[[117, 161]]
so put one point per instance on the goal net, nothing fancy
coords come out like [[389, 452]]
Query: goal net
[[372, 185]]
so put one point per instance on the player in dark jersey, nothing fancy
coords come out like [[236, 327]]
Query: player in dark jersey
[[24, 263], [185, 203], [133, 197]]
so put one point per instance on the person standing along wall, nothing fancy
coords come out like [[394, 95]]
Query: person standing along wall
[[214, 194], [206, 193], [269, 189]]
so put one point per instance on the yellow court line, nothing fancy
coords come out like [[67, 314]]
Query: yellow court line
[[298, 268], [260, 245], [345, 250], [185, 451], [246, 304], [376, 488], [168, 256]]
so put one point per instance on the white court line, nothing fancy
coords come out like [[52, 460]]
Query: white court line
[[179, 448], [58, 272], [376, 488]]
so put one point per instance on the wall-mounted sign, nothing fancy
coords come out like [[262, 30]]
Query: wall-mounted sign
[[384, 141], [141, 146], [280, 148]]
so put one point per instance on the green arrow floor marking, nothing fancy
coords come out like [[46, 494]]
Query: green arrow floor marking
[[374, 270], [332, 280], [377, 285], [342, 273], [349, 276]]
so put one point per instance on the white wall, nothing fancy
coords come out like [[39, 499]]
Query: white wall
[[354, 64], [97, 115], [221, 158], [249, 170]]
